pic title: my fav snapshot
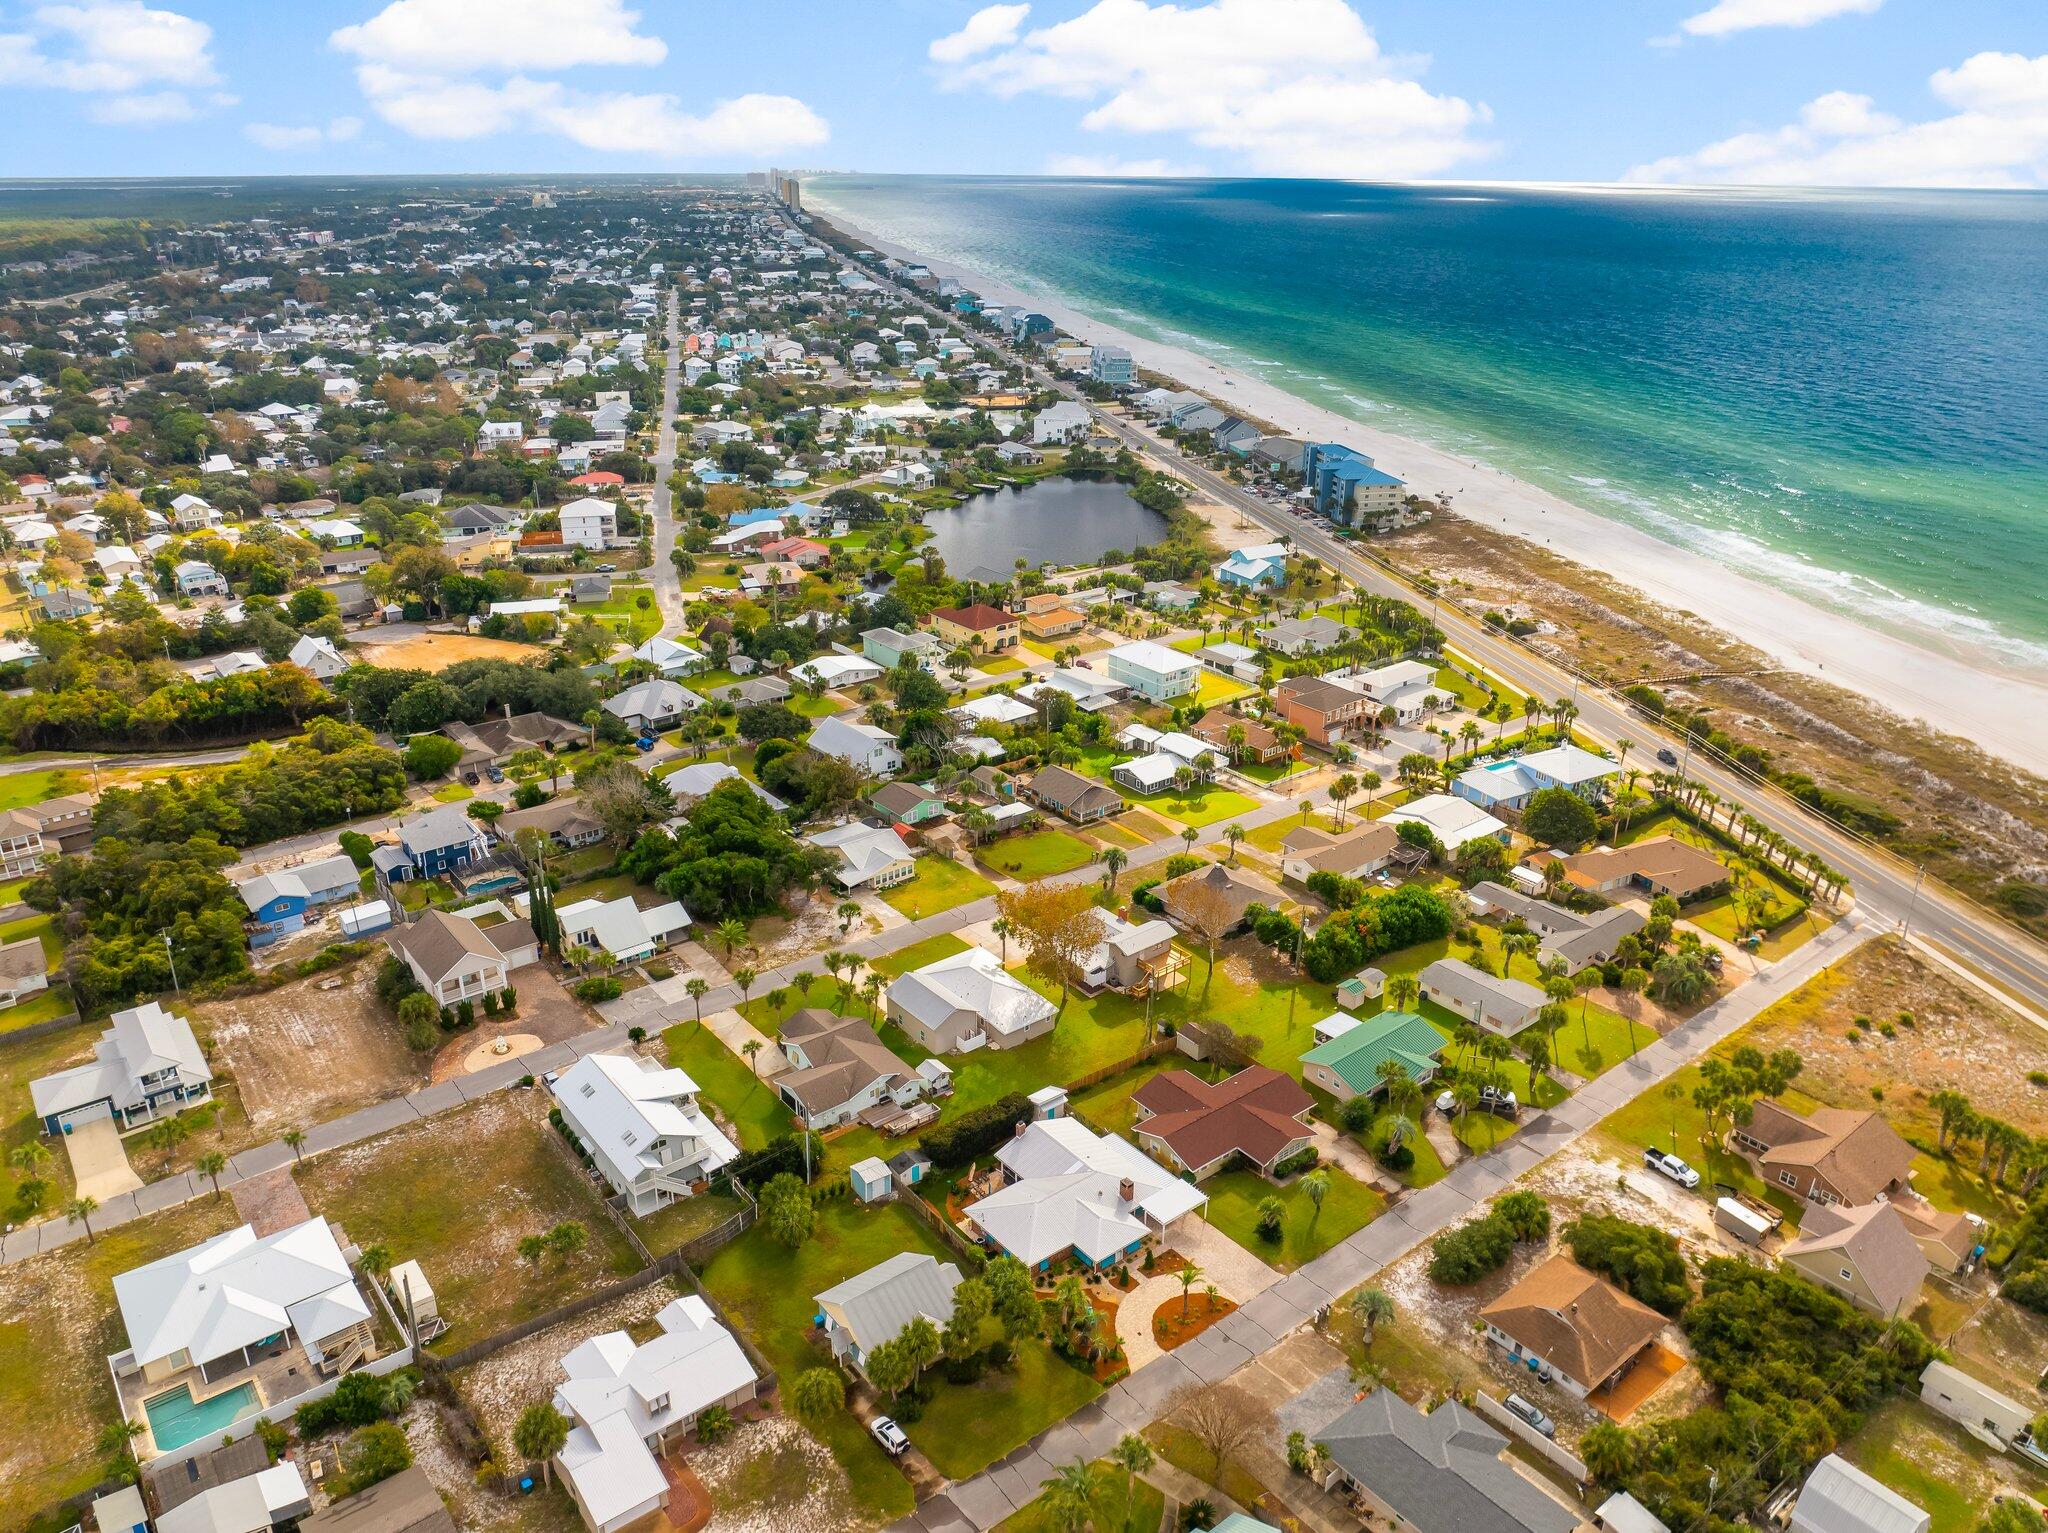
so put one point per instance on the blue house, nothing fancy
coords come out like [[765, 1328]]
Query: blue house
[[1346, 486], [439, 841], [1264, 564], [1510, 784], [281, 902]]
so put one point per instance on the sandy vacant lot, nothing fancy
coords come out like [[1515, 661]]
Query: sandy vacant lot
[[438, 651], [302, 1053]]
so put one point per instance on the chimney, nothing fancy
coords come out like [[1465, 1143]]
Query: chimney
[[1127, 1190], [1020, 1131], [508, 713]]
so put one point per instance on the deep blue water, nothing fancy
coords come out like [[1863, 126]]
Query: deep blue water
[[1846, 393]]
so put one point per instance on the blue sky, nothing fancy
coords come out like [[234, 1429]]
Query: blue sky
[[1856, 92]]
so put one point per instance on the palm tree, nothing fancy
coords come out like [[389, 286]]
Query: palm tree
[[1189, 1275], [848, 913], [1233, 833], [1190, 835], [30, 1159], [1114, 861], [80, 1211], [295, 1141], [744, 978], [1339, 791], [1373, 1308], [1067, 1498], [732, 932], [539, 1435], [697, 989], [1000, 926], [211, 1165], [1317, 1185], [1404, 992], [750, 1048], [1133, 1455]]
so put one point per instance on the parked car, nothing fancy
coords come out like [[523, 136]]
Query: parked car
[[1522, 1408], [1494, 1099], [645, 742], [494, 773], [606, 569], [1670, 1165], [889, 1435], [1668, 756]]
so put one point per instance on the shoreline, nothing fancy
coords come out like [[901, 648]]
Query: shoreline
[[2000, 709]]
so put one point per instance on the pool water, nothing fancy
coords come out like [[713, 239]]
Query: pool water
[[176, 1419]]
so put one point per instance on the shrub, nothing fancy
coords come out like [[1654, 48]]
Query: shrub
[[976, 1133], [373, 1454], [1183, 862], [1300, 1160], [508, 1000], [2028, 1287], [1357, 1114], [598, 988], [429, 756], [395, 981], [1467, 1253], [1645, 1261], [422, 1020], [782, 1154], [490, 1003], [1525, 1214]]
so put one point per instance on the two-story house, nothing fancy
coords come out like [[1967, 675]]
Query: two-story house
[[146, 1064], [437, 842], [1326, 713], [644, 1128]]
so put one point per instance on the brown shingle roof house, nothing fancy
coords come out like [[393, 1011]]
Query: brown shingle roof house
[[1073, 796], [1866, 1254], [1661, 864], [1257, 1113], [1836, 1155], [1237, 888], [1576, 1324]]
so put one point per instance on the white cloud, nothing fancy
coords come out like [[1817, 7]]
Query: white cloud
[[468, 69], [138, 62], [1286, 87], [1727, 17], [1996, 134], [285, 137], [993, 26], [500, 36]]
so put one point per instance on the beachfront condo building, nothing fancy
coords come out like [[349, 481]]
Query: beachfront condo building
[[1348, 489]]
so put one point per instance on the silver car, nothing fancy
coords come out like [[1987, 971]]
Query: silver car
[[1529, 1413]]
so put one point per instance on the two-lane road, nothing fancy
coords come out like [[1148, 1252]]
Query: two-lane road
[[668, 585]]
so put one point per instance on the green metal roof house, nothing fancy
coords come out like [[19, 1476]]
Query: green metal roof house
[[1348, 1064]]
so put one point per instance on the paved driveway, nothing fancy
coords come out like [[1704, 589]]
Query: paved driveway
[[1238, 1275], [99, 1163]]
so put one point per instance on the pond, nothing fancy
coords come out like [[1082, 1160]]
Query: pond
[[1055, 521]]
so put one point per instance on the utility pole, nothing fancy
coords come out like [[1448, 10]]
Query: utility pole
[[173, 960], [1913, 905]]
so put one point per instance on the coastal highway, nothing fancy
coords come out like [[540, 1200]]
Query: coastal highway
[[1885, 887], [1994, 953]]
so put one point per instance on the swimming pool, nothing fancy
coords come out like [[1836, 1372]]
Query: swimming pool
[[175, 1418]]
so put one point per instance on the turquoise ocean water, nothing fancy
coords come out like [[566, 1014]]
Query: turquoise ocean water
[[1845, 394]]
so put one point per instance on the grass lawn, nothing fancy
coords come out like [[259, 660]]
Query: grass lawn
[[1613, 1038], [459, 1193], [1108, 1509], [1204, 804], [60, 1325], [1906, 1447], [19, 788], [729, 1083], [768, 1288], [1469, 695], [1267, 837], [1212, 689], [1235, 1196], [940, 884], [1107, 1105], [966, 1427], [1039, 854], [41, 1007], [680, 1223], [42, 927], [22, 1061], [1664, 1118], [918, 954], [1110, 833], [607, 887], [999, 665], [454, 792], [813, 707], [1482, 1131]]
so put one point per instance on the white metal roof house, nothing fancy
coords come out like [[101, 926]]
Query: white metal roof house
[[212, 1306], [869, 858], [1510, 784], [838, 670], [643, 1127], [1453, 821], [251, 1504], [147, 1062], [874, 1306], [317, 657], [1152, 670], [968, 1001], [1071, 1190], [670, 657], [863, 747], [626, 1402], [621, 928]]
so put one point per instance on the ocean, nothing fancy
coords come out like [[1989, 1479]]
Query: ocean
[[1844, 394]]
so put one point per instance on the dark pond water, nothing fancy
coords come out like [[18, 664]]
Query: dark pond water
[[1055, 521]]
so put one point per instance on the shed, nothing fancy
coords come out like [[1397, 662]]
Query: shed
[[1049, 1102], [1742, 1221], [937, 1075], [1622, 1513], [872, 1179], [409, 1282], [121, 1511], [909, 1167], [1366, 985], [361, 920]]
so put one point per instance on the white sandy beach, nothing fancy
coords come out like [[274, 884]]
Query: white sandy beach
[[1995, 706]]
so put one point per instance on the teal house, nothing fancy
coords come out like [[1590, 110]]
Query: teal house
[[1347, 1063]]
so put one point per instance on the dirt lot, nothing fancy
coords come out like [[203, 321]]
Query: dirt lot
[[302, 1054], [776, 940], [480, 1510], [546, 1010], [1960, 1040], [1978, 823], [438, 651], [771, 1476]]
